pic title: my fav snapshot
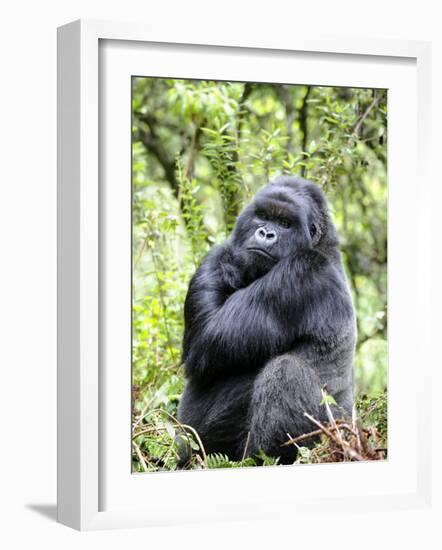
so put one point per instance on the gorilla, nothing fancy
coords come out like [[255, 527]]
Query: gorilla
[[269, 322]]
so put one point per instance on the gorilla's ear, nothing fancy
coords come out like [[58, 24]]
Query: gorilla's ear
[[315, 233], [324, 225]]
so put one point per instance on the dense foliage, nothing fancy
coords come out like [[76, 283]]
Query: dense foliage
[[201, 149]]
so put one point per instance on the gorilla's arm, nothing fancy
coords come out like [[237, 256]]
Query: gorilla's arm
[[229, 328]]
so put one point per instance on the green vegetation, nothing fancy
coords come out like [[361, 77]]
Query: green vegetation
[[200, 150]]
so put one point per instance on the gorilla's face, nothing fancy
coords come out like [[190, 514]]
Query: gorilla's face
[[288, 215]]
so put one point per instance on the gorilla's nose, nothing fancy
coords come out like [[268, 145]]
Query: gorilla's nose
[[265, 236]]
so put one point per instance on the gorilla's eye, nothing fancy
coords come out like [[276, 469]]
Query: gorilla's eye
[[313, 230], [284, 223], [263, 215]]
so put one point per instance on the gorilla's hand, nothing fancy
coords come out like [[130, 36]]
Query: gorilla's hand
[[235, 269], [232, 268]]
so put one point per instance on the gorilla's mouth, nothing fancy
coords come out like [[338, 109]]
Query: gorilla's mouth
[[262, 252]]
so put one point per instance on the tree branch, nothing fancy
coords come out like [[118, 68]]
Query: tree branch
[[303, 118], [360, 121], [147, 135]]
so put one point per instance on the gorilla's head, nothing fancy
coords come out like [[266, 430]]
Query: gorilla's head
[[287, 215]]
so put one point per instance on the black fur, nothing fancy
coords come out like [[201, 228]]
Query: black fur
[[268, 322]]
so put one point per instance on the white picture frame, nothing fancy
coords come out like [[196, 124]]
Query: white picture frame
[[95, 489]]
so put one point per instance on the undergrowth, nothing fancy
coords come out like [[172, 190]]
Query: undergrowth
[[159, 439]]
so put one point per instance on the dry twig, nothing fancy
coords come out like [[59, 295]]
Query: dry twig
[[341, 440]]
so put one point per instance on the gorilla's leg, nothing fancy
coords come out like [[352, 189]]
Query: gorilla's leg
[[219, 413], [282, 392]]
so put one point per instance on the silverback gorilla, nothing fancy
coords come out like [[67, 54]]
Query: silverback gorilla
[[269, 321]]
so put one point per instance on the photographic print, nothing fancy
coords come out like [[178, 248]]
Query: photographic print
[[259, 274]]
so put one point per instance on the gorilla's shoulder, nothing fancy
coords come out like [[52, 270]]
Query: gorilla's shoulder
[[313, 260]]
